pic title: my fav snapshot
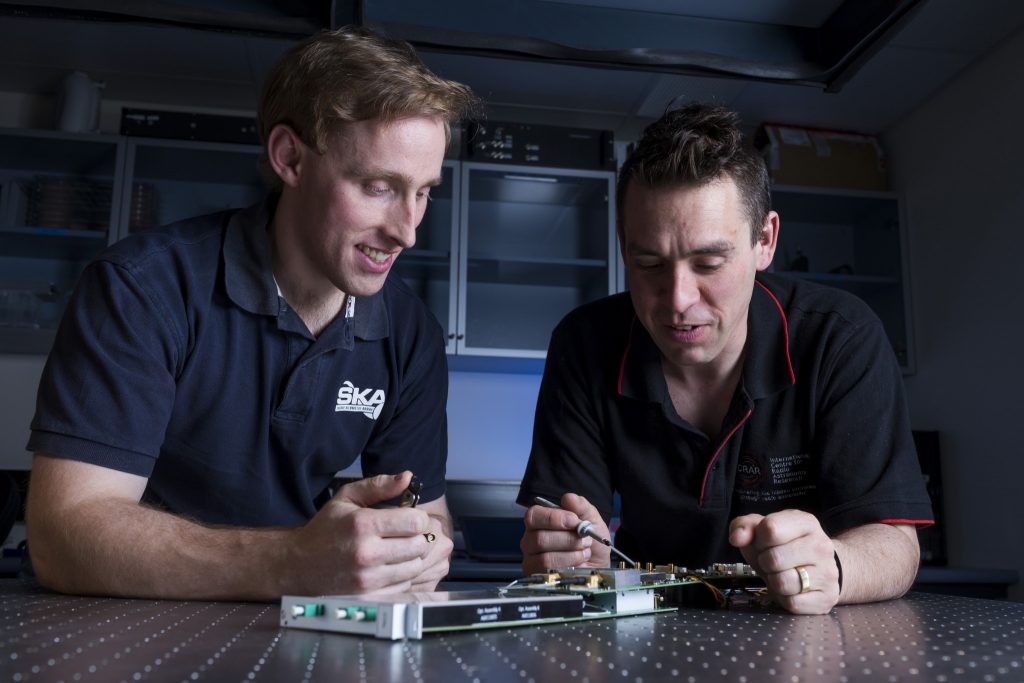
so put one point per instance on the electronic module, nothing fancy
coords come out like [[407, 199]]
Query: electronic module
[[558, 596]]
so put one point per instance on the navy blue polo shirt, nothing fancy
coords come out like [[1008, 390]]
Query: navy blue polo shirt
[[178, 360], [818, 422]]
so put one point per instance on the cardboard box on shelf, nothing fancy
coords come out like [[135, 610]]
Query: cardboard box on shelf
[[817, 157]]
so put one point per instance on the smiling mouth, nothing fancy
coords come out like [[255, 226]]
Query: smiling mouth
[[377, 256], [684, 328]]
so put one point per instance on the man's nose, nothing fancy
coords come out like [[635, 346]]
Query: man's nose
[[685, 292], [405, 217]]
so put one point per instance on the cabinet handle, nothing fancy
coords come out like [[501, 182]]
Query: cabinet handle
[[451, 335], [461, 336]]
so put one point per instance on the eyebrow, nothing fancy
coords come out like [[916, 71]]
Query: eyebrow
[[372, 172], [713, 248]]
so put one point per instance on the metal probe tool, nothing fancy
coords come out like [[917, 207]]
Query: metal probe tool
[[585, 528]]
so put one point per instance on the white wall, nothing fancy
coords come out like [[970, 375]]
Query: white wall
[[490, 424], [958, 160]]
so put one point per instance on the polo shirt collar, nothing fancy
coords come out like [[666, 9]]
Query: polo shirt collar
[[249, 274], [248, 268], [370, 316], [767, 367], [640, 375]]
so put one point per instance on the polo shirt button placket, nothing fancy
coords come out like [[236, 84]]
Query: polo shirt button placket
[[349, 338]]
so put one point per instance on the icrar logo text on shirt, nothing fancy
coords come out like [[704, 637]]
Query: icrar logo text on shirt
[[352, 399]]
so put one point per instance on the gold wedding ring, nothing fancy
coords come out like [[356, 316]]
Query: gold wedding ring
[[805, 579], [430, 537]]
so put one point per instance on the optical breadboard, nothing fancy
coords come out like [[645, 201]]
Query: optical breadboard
[[563, 595]]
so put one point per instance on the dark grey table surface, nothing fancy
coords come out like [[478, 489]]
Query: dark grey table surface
[[923, 637]]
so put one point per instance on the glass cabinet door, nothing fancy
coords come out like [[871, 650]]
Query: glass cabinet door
[[176, 179], [853, 241], [429, 267], [58, 209], [535, 243]]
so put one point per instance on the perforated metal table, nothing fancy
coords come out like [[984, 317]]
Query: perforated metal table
[[923, 637]]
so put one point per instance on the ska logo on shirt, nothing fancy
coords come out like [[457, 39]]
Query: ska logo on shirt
[[352, 399]]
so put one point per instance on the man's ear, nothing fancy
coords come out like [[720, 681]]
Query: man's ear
[[767, 240], [285, 152]]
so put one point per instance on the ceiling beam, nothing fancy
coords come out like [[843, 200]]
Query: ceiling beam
[[601, 37], [565, 33]]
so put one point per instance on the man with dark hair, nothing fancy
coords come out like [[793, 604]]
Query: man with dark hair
[[210, 378], [736, 413]]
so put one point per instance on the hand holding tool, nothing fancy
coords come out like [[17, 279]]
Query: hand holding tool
[[585, 528]]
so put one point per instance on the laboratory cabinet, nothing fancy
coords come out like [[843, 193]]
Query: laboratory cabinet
[[853, 240], [503, 252], [58, 208], [534, 244], [170, 180], [67, 196]]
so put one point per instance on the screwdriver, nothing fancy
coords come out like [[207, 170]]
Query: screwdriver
[[585, 528]]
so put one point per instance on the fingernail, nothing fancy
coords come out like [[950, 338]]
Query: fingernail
[[398, 477]]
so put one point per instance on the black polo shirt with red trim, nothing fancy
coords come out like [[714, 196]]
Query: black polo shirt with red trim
[[177, 360], [818, 422]]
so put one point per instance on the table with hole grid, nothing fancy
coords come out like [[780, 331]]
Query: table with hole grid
[[922, 637]]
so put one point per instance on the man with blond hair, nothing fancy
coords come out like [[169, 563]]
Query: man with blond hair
[[210, 378]]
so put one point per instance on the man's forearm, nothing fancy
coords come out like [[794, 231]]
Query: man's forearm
[[879, 561], [117, 547]]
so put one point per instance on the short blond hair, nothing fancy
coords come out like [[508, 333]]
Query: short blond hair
[[353, 74]]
